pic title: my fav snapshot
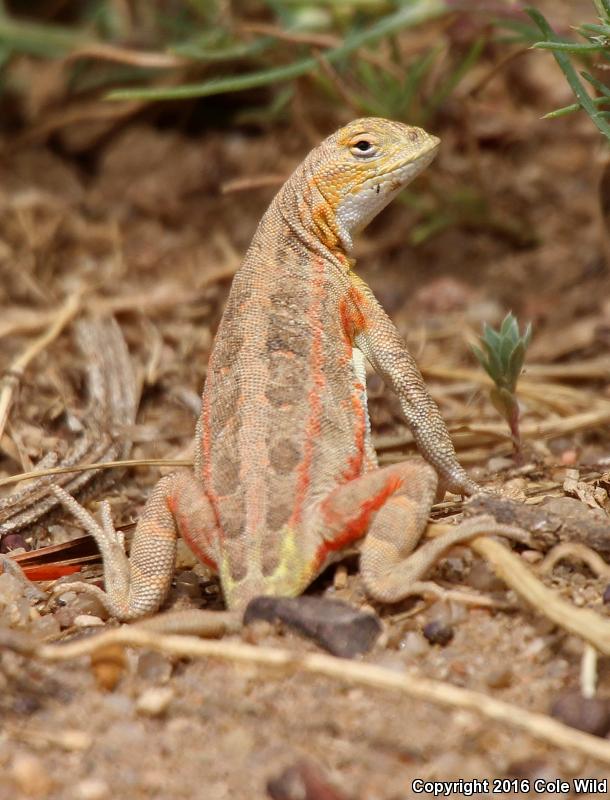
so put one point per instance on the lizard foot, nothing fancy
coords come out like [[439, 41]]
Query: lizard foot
[[110, 542]]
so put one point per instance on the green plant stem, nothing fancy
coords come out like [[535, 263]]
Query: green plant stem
[[583, 97]]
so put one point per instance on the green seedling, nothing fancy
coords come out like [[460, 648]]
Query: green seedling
[[501, 356]]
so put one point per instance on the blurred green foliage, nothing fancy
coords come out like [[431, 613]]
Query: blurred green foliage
[[218, 52]]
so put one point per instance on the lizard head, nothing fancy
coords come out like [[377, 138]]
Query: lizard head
[[360, 168]]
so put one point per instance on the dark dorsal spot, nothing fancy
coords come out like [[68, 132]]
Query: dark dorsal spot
[[284, 455]]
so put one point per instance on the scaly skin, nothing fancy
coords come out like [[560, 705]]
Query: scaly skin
[[285, 473]]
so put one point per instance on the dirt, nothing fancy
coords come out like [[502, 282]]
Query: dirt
[[141, 221]]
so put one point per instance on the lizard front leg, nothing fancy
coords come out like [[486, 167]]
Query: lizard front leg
[[376, 336], [138, 586]]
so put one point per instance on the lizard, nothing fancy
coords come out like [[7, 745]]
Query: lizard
[[285, 475]]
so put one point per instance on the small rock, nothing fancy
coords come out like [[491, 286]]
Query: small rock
[[46, 626], [337, 627], [532, 556], [482, 578], [187, 585], [108, 665], [568, 458], [14, 607], [453, 569], [89, 604], [532, 769], [438, 632], [499, 678], [499, 464], [458, 612], [303, 781], [257, 632], [154, 667], [91, 789], [88, 621], [65, 616], [589, 714], [30, 775], [154, 702], [414, 644], [438, 612], [606, 595]]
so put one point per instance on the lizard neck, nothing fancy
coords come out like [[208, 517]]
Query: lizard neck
[[308, 212]]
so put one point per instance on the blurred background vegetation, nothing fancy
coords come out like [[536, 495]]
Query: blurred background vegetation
[[346, 51], [94, 65]]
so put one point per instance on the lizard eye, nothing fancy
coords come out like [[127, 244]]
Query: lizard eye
[[363, 148]]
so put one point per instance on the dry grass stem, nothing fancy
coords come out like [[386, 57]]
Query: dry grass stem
[[14, 373], [588, 671], [510, 568], [349, 672], [578, 551], [124, 55], [252, 182], [127, 462]]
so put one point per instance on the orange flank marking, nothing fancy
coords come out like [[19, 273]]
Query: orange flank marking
[[193, 543], [354, 462], [326, 225], [195, 548], [346, 322], [355, 527], [206, 454], [358, 302], [312, 426], [353, 320]]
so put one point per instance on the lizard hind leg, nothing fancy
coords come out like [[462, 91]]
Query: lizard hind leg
[[391, 506], [138, 586]]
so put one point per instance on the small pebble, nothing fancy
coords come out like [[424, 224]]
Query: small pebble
[[89, 604], [414, 644], [589, 714], [91, 789], [256, 632], [30, 775], [532, 556], [155, 667], [438, 632], [88, 621], [453, 569], [438, 612], [535, 647], [499, 678], [568, 458], [108, 665], [482, 578], [606, 594], [340, 577], [154, 702], [46, 625], [187, 585], [499, 464]]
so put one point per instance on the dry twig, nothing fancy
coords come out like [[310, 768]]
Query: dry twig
[[416, 686], [15, 372], [113, 401]]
